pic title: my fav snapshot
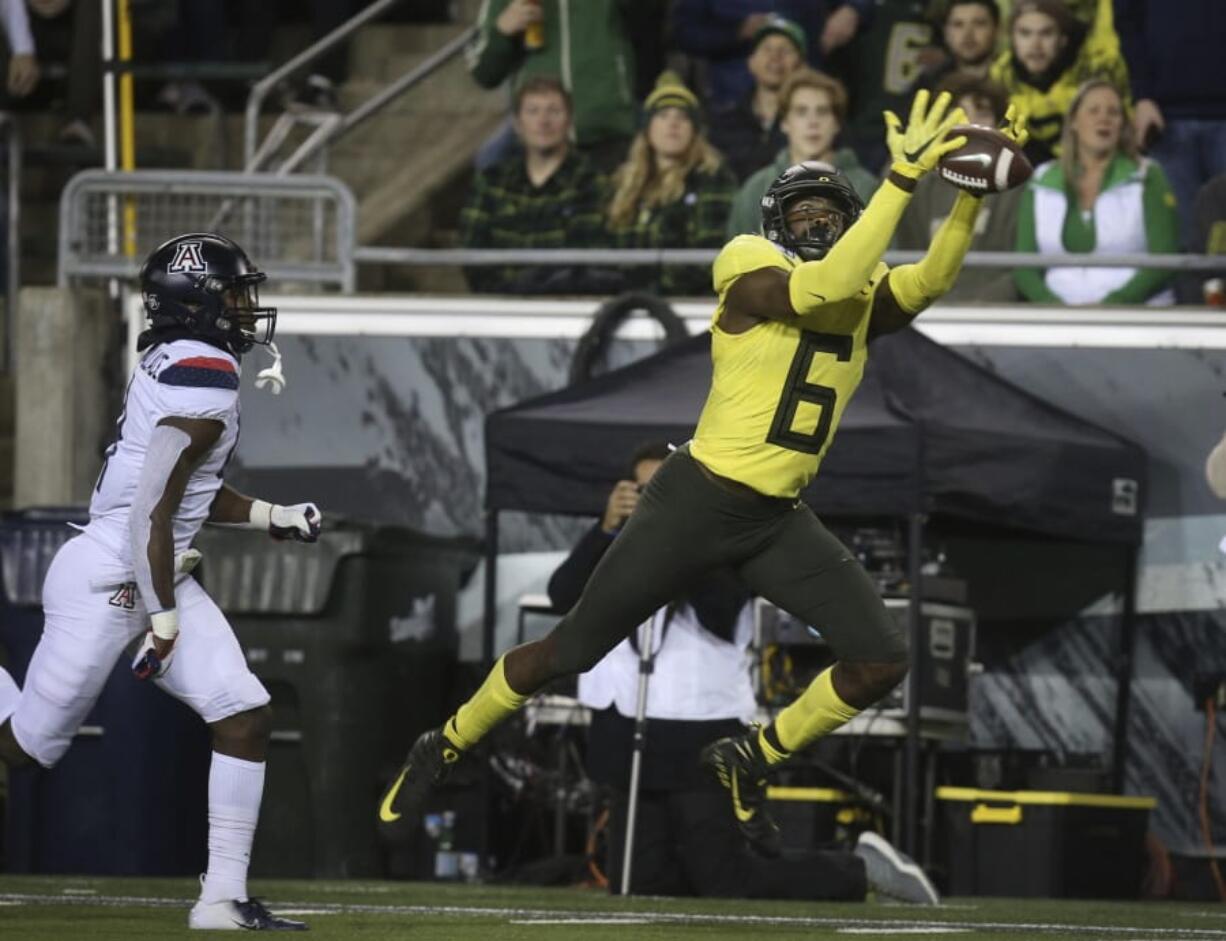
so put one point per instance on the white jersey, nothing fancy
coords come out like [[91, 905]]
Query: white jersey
[[182, 378]]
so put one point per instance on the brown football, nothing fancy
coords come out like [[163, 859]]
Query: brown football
[[987, 163]]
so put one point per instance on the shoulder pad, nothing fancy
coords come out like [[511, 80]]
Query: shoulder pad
[[209, 372]]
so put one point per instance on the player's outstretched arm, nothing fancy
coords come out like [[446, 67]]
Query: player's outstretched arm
[[176, 447], [301, 522], [909, 289], [914, 152]]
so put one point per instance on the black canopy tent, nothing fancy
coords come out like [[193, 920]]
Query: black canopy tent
[[928, 432]]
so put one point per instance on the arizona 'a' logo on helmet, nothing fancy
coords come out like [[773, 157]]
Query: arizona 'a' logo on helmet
[[188, 259], [205, 284], [810, 178]]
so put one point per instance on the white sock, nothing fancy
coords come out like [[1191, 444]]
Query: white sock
[[10, 695], [235, 789]]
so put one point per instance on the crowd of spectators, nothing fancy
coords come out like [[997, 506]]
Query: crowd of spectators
[[1127, 122], [660, 123]]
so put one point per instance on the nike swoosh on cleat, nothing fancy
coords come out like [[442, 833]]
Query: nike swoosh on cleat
[[742, 814], [386, 814]]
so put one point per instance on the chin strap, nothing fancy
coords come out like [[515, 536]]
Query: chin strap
[[272, 378]]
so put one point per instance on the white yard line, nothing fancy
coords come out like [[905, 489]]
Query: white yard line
[[315, 910], [891, 930], [580, 921], [882, 925]]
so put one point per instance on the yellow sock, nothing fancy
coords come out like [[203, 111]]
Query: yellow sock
[[816, 712], [767, 744], [489, 705]]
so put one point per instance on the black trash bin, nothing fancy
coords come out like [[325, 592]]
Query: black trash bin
[[355, 639], [130, 796]]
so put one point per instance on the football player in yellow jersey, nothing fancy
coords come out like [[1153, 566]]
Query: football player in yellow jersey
[[797, 308]]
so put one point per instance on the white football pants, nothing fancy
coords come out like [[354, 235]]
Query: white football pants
[[86, 628]]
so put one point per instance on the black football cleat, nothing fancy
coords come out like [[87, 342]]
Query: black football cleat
[[232, 915], [429, 763], [741, 769]]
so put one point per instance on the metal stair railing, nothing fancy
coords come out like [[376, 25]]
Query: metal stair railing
[[335, 126], [299, 228]]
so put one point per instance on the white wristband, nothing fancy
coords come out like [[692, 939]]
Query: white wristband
[[261, 515], [165, 624]]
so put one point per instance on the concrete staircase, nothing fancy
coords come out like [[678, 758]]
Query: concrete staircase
[[410, 165]]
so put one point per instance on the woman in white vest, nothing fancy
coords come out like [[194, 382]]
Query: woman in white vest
[[1098, 197]]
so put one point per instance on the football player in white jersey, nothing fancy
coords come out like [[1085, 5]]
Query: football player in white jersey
[[160, 482]]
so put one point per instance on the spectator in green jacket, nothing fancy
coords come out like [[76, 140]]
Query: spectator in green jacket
[[814, 107], [673, 191], [547, 197], [585, 44], [985, 103], [1099, 197]]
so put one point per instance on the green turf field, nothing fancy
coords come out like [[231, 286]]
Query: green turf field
[[42, 907]]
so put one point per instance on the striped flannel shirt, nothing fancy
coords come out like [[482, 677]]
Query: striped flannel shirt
[[696, 220], [505, 210]]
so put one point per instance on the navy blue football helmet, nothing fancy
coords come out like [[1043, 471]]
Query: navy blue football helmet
[[206, 284], [799, 181]]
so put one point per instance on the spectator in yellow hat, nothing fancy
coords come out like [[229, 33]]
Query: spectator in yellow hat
[[673, 190]]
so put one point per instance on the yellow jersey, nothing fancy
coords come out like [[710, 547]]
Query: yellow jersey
[[779, 389], [1045, 108]]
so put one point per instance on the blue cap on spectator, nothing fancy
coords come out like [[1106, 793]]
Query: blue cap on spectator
[[784, 27]]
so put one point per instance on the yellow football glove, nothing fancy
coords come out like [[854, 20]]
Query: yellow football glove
[[917, 150], [1015, 124]]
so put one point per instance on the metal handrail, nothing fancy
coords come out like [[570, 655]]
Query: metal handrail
[[326, 134], [213, 183], [478, 257], [260, 90]]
